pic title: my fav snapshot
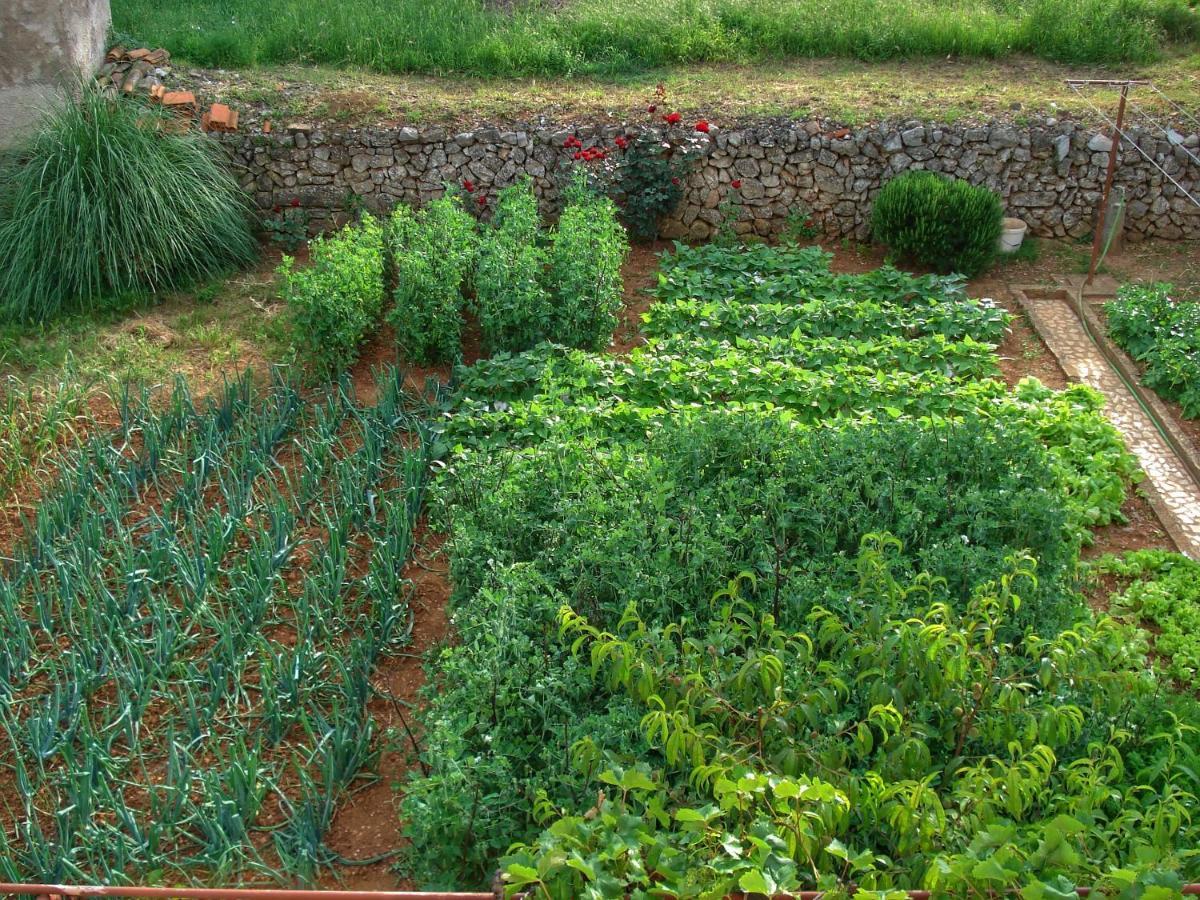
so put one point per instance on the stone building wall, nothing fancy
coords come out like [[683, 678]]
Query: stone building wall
[[44, 44], [1049, 173]]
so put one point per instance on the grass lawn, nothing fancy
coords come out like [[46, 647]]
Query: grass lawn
[[618, 36], [846, 91]]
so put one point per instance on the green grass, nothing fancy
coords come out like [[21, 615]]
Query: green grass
[[618, 36]]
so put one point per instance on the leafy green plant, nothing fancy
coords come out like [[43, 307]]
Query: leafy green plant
[[947, 224], [587, 249], [105, 200], [433, 255], [336, 299], [891, 753], [648, 184], [667, 519], [287, 227], [1162, 593], [515, 311], [1163, 333], [800, 226]]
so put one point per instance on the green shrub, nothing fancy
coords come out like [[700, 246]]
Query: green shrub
[[947, 224], [433, 254], [1163, 333], [104, 201], [886, 753], [586, 252], [337, 298], [514, 306], [648, 185]]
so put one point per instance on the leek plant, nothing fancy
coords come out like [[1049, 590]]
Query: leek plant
[[172, 666]]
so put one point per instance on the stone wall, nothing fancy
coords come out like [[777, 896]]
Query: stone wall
[[44, 44], [1049, 173]]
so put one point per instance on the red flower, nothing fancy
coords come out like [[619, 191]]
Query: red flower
[[481, 200], [673, 118], [578, 154], [674, 181], [295, 201], [468, 185], [702, 125], [621, 141], [651, 108], [736, 184], [573, 141]]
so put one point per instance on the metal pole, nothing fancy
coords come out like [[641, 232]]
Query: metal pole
[[1102, 213]]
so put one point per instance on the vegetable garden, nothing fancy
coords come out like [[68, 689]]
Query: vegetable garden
[[789, 599], [789, 596]]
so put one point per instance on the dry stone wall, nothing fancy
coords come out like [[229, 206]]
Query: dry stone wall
[[1050, 173]]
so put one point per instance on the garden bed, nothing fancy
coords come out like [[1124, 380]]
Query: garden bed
[[370, 826]]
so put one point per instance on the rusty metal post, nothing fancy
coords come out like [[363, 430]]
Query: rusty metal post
[[1102, 212]]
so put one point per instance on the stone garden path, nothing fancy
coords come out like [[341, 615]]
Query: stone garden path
[[1174, 494]]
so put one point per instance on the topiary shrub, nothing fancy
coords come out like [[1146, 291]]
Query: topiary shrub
[[948, 225], [336, 299], [105, 201]]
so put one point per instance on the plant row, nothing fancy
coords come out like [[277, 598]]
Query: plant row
[[190, 627], [523, 284], [1163, 333]]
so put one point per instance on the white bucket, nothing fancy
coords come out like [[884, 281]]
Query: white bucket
[[1012, 235]]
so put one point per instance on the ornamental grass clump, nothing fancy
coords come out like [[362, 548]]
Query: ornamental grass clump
[[948, 225], [105, 201]]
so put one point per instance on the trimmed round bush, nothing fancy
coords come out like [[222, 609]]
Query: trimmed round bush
[[106, 200], [948, 225]]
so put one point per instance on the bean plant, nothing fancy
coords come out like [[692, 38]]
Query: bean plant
[[336, 300], [433, 254], [587, 250], [512, 301]]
